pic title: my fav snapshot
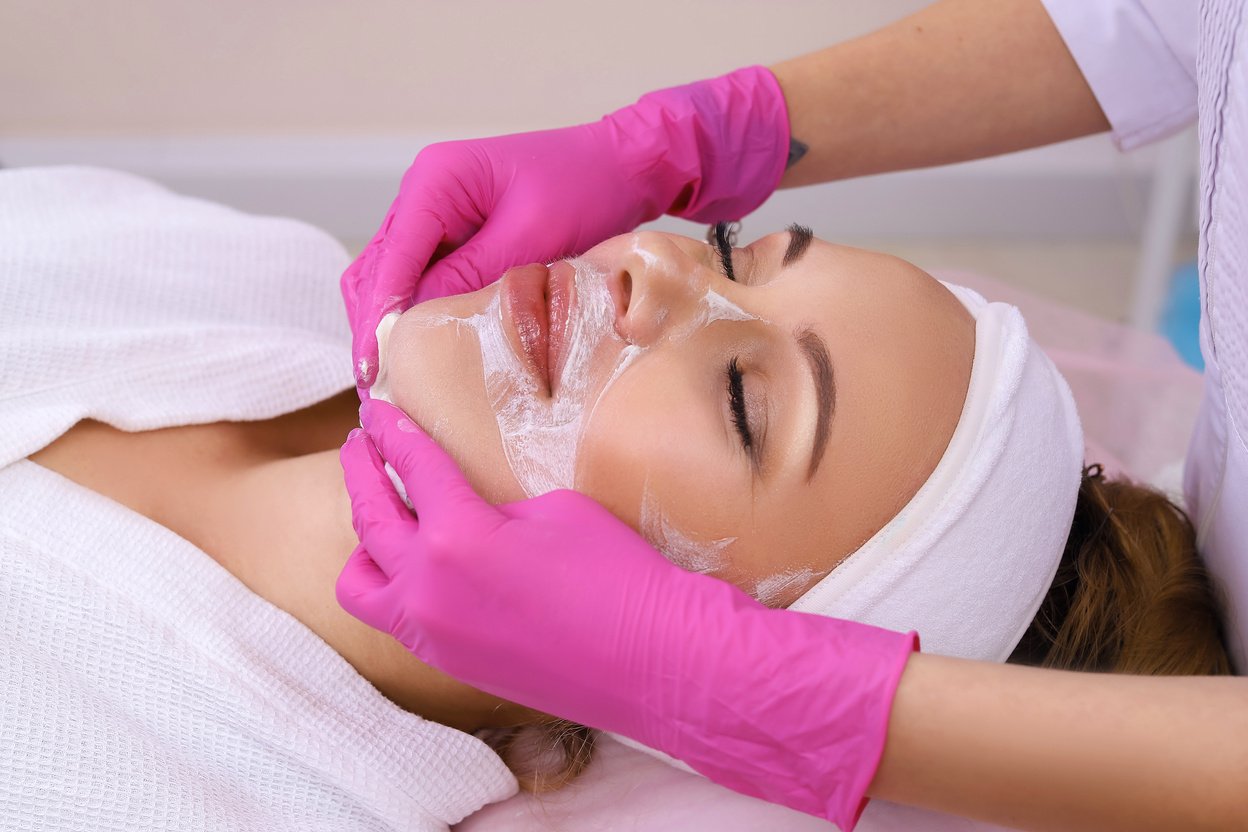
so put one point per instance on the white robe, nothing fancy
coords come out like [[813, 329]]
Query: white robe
[[142, 686]]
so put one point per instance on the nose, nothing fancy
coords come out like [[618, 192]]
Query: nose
[[658, 284]]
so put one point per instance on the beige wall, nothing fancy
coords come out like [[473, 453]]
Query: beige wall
[[174, 67]]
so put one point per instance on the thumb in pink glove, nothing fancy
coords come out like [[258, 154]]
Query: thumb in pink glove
[[556, 604], [709, 151]]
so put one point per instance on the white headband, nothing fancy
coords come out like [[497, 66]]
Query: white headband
[[970, 558]]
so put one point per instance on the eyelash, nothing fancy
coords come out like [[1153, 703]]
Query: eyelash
[[736, 401], [723, 233]]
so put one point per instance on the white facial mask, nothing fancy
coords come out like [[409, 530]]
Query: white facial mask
[[541, 437]]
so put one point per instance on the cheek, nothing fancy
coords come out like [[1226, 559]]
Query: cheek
[[656, 446], [655, 443], [791, 542], [436, 378]]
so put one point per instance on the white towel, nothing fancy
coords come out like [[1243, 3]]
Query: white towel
[[143, 686]]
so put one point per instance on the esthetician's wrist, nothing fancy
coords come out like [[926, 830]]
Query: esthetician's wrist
[[789, 707]]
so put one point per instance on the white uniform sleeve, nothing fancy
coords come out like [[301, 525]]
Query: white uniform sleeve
[[1139, 56]]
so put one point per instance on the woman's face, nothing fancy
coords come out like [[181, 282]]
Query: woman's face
[[758, 430]]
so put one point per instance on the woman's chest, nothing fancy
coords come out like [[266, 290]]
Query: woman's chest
[[214, 485], [183, 478]]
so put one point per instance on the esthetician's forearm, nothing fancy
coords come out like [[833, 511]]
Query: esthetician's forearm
[[1054, 750], [958, 80]]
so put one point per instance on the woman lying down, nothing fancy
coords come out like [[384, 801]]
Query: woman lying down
[[829, 429]]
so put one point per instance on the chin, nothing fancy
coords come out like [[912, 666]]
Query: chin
[[435, 377]]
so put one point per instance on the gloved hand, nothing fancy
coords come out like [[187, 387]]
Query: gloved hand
[[556, 604], [708, 151]]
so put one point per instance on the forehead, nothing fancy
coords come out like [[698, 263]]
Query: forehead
[[886, 322], [870, 281]]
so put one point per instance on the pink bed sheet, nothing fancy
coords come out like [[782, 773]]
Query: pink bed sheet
[[1136, 397], [1137, 401]]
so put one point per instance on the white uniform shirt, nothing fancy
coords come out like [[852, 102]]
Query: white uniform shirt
[[1153, 66]]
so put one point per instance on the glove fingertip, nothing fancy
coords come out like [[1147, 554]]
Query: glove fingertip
[[375, 505], [358, 450], [359, 581]]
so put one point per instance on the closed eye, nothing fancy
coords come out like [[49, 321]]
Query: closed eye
[[722, 236], [736, 402]]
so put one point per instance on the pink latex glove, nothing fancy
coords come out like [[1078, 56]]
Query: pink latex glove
[[556, 604], [466, 211]]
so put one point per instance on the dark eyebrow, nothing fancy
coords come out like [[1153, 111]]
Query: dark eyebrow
[[816, 352], [799, 240]]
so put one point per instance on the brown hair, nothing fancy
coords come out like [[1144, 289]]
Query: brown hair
[[545, 755], [1131, 594]]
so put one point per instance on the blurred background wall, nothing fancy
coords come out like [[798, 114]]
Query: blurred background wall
[[173, 67], [313, 108]]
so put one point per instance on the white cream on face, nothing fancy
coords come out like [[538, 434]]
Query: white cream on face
[[540, 435], [771, 589], [716, 307], [706, 557]]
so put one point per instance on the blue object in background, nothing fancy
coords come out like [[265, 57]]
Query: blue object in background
[[1180, 320]]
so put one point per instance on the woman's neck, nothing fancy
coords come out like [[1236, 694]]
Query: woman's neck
[[305, 503], [266, 500]]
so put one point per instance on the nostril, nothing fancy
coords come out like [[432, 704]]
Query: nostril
[[621, 286]]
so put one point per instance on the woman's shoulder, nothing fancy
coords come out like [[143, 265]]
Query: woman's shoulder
[[122, 301]]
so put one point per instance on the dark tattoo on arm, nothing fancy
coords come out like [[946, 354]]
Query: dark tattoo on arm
[[797, 150]]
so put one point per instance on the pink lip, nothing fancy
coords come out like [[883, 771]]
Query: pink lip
[[560, 296], [536, 301]]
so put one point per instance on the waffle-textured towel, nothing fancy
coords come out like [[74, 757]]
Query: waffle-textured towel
[[143, 686]]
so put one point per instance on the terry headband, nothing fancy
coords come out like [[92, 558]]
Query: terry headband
[[968, 561]]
